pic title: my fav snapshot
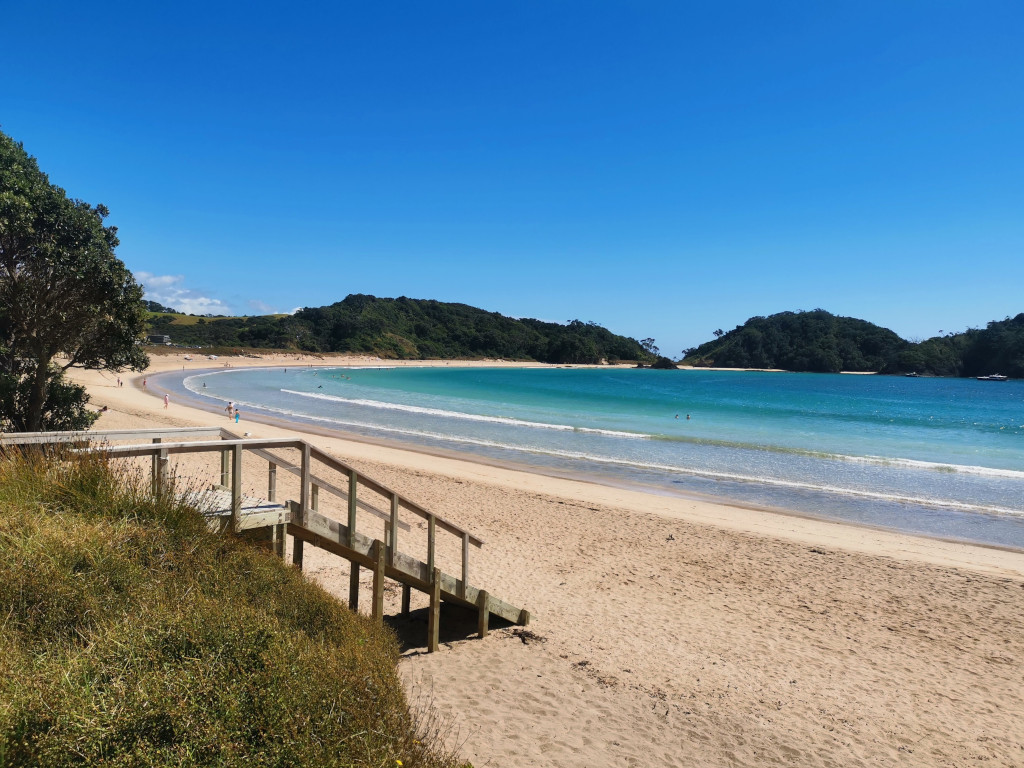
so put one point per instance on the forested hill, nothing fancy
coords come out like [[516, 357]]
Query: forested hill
[[406, 328], [822, 342], [802, 341]]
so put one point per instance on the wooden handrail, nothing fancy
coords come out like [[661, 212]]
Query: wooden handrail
[[383, 490], [232, 448], [228, 441], [294, 469], [198, 446], [32, 438]]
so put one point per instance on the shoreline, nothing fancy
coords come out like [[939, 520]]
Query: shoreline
[[672, 631], [310, 427], [953, 520], [402, 453]]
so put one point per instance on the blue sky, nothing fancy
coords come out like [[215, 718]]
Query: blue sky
[[661, 168]]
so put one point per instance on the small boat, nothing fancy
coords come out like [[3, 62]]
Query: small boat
[[912, 375], [993, 377]]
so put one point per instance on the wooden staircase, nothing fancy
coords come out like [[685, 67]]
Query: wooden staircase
[[268, 521]]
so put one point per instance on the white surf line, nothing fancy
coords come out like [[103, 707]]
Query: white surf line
[[466, 416], [713, 475]]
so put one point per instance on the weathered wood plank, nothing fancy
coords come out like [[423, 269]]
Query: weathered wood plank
[[378, 581], [197, 446], [383, 490], [169, 433], [353, 586], [333, 536], [483, 613], [326, 486], [434, 615]]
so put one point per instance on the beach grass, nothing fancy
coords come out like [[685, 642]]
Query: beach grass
[[130, 635]]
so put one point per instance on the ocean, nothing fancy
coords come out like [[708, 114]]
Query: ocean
[[941, 457]]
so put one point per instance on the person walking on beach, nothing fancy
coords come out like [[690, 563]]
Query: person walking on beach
[[144, 383], [238, 415], [230, 409], [167, 400]]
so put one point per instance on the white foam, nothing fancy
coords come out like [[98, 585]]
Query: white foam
[[967, 469], [712, 475], [464, 416], [887, 461]]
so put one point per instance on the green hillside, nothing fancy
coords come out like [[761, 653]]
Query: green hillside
[[406, 328], [802, 341], [821, 342]]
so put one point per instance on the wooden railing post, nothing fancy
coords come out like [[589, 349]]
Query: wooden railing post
[[377, 610], [314, 497], [304, 481], [297, 543], [156, 469], [406, 599], [236, 487], [272, 482], [163, 461], [393, 543], [353, 587], [353, 481], [465, 565], [225, 468], [353, 577], [483, 605], [434, 614], [431, 542]]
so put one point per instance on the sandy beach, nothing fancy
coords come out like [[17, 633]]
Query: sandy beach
[[673, 632]]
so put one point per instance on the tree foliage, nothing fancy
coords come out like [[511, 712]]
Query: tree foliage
[[156, 306], [62, 293], [801, 341], [998, 348], [821, 342]]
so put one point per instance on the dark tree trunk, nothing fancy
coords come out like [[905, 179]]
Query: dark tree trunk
[[37, 396]]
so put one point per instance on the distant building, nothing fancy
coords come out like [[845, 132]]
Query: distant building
[[158, 338]]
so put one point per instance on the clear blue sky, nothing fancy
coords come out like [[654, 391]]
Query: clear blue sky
[[662, 168]]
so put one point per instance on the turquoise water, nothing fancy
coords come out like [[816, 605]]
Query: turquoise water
[[938, 456]]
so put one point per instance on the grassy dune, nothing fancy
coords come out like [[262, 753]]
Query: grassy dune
[[130, 636]]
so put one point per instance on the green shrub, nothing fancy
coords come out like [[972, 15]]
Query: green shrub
[[131, 636]]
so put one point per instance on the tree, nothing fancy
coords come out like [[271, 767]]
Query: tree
[[155, 306], [719, 333], [65, 299], [649, 345]]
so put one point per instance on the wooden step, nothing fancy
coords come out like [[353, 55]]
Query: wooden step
[[256, 513], [333, 536]]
